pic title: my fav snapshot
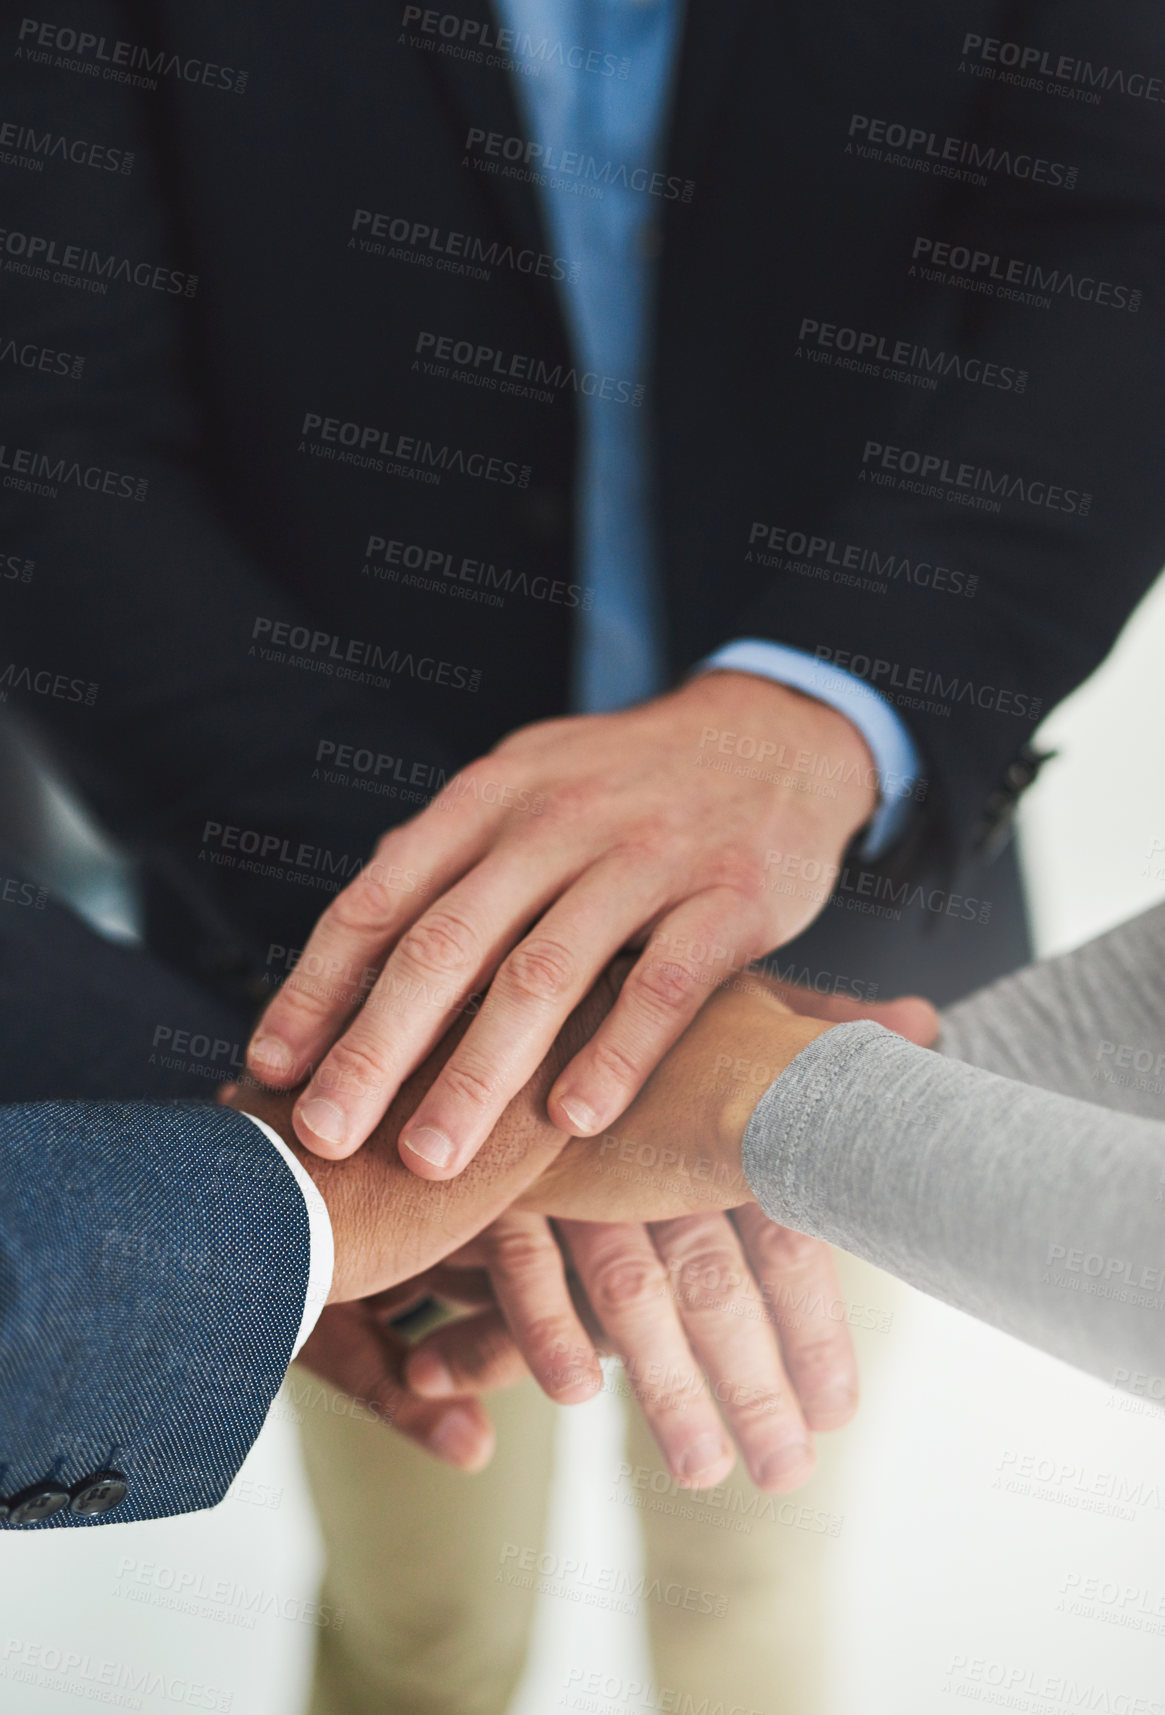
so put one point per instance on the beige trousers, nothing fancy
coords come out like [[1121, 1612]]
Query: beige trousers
[[432, 1626]]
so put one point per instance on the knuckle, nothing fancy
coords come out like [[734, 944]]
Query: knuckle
[[548, 1338], [469, 1079], [370, 1388], [366, 903], [298, 1003], [707, 1278], [625, 1283], [741, 870], [572, 801], [440, 944], [490, 1353], [618, 1066], [518, 1252], [757, 1404], [540, 969], [665, 984], [823, 1358], [657, 832], [783, 1251], [352, 1065], [672, 1399]]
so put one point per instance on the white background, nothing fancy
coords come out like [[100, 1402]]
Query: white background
[[936, 1561]]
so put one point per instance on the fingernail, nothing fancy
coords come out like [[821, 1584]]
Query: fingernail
[[583, 1119], [456, 1436], [575, 1386], [270, 1054], [325, 1120], [428, 1374], [431, 1145], [795, 1460], [836, 1401], [703, 1453]]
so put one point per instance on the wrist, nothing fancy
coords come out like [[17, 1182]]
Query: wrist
[[784, 1038], [787, 737]]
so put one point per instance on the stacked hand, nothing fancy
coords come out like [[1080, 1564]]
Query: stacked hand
[[707, 1311], [535, 866]]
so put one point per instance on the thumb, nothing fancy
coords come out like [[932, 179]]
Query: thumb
[[908, 1015]]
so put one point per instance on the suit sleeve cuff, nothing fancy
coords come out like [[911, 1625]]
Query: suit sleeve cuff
[[897, 761], [323, 1249]]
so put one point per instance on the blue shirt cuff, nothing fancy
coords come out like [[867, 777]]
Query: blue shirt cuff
[[896, 756]]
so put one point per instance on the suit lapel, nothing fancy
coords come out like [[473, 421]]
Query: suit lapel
[[711, 38], [482, 96]]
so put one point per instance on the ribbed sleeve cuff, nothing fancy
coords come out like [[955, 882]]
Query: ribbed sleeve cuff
[[794, 1138]]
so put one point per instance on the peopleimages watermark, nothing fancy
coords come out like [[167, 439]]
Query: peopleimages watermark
[[1039, 1476], [14, 890], [44, 682], [369, 447], [866, 352], [485, 43], [835, 771], [1013, 278], [103, 1679], [195, 1051], [1026, 66], [189, 1590], [117, 60], [1127, 1282], [34, 255], [16, 568], [366, 769], [355, 657], [431, 569], [868, 892], [952, 157], [24, 146], [960, 480], [598, 1586], [1012, 1685], [45, 359], [515, 373], [38, 473], [1132, 1066], [584, 1686], [727, 1506], [448, 251], [525, 158], [848, 562], [895, 680], [1134, 1607], [264, 853]]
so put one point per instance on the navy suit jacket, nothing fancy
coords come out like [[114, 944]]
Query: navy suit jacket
[[210, 619], [154, 1259]]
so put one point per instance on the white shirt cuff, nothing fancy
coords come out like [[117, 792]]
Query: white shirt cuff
[[896, 756], [320, 1239]]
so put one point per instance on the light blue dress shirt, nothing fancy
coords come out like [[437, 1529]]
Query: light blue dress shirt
[[617, 112]]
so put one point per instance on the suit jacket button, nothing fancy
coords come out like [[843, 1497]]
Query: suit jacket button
[[99, 1493], [41, 1501]]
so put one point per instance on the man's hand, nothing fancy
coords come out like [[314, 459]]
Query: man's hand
[[389, 1225], [355, 1348], [569, 841], [704, 1295], [707, 1315]]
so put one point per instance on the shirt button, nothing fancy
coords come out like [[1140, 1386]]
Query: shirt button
[[39, 1502], [99, 1493]]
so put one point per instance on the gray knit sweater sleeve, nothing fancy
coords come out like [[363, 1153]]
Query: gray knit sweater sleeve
[[1041, 1212]]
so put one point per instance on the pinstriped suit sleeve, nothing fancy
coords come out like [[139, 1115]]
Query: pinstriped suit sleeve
[[154, 1263]]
